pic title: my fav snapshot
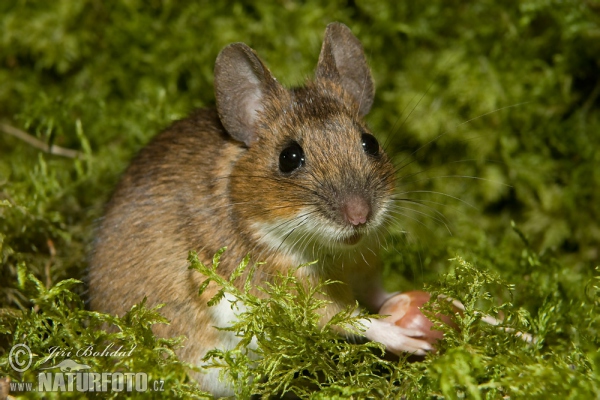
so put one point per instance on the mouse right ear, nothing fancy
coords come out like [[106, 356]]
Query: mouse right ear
[[241, 83], [342, 60]]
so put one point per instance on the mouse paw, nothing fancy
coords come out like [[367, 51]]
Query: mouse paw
[[404, 310], [398, 340]]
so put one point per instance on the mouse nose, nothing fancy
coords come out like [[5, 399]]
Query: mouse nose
[[356, 210]]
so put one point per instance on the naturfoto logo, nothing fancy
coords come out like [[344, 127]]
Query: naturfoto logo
[[73, 378], [69, 375]]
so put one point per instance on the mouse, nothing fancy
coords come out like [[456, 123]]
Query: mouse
[[286, 175]]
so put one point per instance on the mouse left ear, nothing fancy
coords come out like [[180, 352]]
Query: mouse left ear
[[342, 60], [242, 84]]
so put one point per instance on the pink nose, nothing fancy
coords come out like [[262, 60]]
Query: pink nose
[[356, 210]]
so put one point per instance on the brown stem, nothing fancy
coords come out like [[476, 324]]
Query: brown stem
[[35, 142]]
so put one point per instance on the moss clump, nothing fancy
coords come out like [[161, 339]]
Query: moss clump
[[59, 327]]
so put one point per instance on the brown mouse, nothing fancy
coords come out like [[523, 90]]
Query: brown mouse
[[287, 175]]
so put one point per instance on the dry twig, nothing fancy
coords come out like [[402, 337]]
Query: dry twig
[[35, 142]]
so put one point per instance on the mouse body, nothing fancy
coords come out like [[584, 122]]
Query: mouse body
[[288, 176]]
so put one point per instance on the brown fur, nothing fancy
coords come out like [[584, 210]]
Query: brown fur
[[212, 179]]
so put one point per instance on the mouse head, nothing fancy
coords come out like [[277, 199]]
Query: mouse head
[[312, 173]]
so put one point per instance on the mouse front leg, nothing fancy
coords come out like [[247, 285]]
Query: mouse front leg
[[369, 291]]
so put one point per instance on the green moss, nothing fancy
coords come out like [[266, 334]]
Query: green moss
[[493, 106], [58, 320]]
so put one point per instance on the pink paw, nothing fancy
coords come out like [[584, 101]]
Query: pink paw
[[404, 311]]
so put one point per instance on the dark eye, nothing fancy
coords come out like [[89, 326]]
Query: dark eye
[[370, 144], [291, 158]]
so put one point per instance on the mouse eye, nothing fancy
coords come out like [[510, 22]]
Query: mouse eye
[[291, 158], [370, 144]]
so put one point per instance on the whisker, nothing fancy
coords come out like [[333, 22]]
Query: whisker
[[291, 231], [421, 201], [456, 127], [441, 221], [276, 179], [290, 221], [418, 203], [441, 194], [411, 218], [462, 177], [403, 177], [414, 108]]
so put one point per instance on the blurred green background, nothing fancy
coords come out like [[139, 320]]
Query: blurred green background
[[492, 105]]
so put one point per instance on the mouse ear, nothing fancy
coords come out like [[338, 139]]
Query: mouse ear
[[241, 83], [342, 60]]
